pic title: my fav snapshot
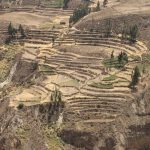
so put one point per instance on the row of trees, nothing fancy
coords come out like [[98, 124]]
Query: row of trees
[[122, 60], [56, 99], [122, 57], [14, 32], [130, 33], [83, 10], [78, 13], [56, 96], [98, 7]]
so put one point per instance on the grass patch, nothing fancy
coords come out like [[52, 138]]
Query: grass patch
[[45, 68], [146, 57], [135, 58], [102, 86], [110, 78], [70, 83]]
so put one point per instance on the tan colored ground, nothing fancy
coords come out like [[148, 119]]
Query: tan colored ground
[[24, 18], [35, 20]]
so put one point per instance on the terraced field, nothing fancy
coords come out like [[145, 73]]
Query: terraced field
[[36, 17], [93, 93]]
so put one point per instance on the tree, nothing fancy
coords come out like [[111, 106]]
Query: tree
[[124, 31], [112, 54], [78, 13], [133, 33], [108, 28], [105, 2], [120, 57], [125, 57], [98, 6], [22, 31], [65, 3], [39, 3], [8, 40], [135, 77], [11, 30], [56, 96], [144, 69]]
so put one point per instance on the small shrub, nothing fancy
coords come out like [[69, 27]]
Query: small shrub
[[22, 32], [135, 77], [35, 65], [8, 40], [20, 106]]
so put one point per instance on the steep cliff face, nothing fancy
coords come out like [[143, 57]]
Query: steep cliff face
[[27, 128], [139, 135]]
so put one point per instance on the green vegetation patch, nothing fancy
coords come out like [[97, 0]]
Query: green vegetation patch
[[70, 83], [112, 63], [117, 61], [102, 86], [110, 78], [145, 66], [146, 57], [135, 58], [46, 69]]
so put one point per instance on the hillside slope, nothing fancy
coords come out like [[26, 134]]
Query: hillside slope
[[73, 88]]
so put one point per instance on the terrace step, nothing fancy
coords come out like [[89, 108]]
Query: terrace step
[[102, 94], [101, 100], [34, 41], [71, 76], [95, 104], [102, 121], [81, 117], [114, 90], [40, 38], [110, 43], [89, 110]]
